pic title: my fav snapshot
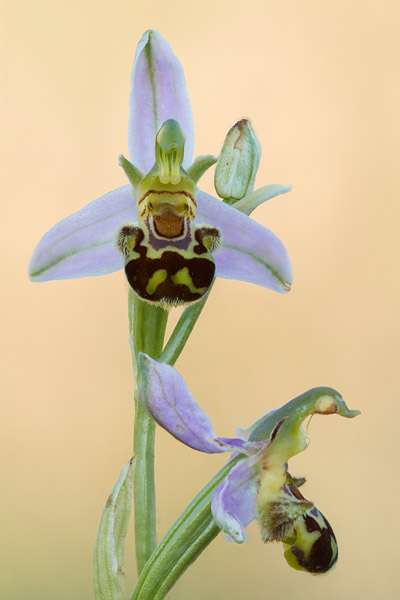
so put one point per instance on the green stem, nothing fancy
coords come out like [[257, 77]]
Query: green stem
[[188, 537], [203, 537], [182, 330], [147, 325]]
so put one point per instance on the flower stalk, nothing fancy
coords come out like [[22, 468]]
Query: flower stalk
[[182, 331], [190, 535], [147, 325]]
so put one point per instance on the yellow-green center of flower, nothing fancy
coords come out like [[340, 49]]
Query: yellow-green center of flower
[[167, 193]]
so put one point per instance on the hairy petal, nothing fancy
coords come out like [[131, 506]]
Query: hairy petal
[[234, 502], [158, 93], [167, 398], [249, 251], [83, 244]]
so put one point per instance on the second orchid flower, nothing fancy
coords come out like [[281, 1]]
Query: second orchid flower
[[259, 485]]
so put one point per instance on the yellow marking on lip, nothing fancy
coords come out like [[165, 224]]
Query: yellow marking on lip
[[155, 280], [183, 277]]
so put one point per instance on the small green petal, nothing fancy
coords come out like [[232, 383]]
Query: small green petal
[[133, 173], [200, 166]]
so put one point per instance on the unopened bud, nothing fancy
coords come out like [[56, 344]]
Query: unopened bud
[[238, 163]]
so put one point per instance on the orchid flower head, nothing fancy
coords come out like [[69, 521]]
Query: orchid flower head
[[259, 485], [168, 259], [161, 209]]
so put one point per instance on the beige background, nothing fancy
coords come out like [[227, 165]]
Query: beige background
[[319, 80]]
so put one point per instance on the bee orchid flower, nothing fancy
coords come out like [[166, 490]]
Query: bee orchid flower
[[90, 241], [259, 485]]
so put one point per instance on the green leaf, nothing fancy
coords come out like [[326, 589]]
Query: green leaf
[[109, 548]]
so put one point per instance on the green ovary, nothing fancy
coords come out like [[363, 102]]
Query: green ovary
[[155, 280]]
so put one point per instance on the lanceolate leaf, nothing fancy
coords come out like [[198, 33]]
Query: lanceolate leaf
[[109, 549]]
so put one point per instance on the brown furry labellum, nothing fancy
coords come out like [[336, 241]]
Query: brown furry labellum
[[169, 270]]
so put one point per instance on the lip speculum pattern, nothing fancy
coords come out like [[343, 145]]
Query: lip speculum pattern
[[169, 270], [313, 547], [308, 539]]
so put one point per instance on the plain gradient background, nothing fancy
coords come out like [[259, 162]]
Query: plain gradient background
[[319, 80]]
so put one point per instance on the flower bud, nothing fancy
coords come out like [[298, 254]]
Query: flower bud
[[238, 163]]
